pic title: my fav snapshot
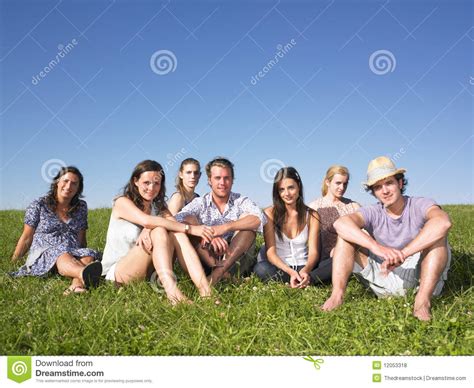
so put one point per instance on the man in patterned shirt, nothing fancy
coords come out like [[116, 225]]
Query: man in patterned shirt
[[234, 218]]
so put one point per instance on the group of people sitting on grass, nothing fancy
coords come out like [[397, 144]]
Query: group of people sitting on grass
[[400, 243]]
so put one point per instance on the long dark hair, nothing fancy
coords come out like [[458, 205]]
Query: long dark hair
[[179, 182], [131, 191], [52, 196], [279, 208]]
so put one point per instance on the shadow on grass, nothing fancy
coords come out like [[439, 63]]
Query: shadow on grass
[[460, 274]]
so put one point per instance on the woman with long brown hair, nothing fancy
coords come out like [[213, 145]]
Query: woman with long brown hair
[[54, 233], [138, 241], [291, 234]]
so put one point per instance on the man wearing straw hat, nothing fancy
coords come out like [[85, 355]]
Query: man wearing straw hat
[[405, 247]]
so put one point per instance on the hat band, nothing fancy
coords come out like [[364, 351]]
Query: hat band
[[380, 172]]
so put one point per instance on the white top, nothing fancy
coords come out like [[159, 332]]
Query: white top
[[293, 251], [121, 237]]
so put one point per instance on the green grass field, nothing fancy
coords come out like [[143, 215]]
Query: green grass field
[[252, 319]]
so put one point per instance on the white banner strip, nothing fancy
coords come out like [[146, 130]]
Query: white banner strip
[[228, 372]]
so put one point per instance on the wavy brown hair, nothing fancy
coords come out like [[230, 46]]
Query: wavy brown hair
[[220, 162], [279, 208], [131, 191], [52, 196]]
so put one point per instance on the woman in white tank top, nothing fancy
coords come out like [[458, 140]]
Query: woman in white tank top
[[291, 234], [138, 240]]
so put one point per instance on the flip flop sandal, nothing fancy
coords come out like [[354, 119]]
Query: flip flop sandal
[[91, 274], [74, 290]]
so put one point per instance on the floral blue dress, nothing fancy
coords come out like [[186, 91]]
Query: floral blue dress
[[53, 237]]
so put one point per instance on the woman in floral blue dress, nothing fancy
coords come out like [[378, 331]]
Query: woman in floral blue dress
[[55, 234]]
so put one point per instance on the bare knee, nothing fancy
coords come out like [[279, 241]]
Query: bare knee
[[344, 246], [436, 253], [159, 234], [86, 260], [440, 245], [64, 263], [246, 235]]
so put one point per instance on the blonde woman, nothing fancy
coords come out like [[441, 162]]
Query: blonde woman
[[330, 207]]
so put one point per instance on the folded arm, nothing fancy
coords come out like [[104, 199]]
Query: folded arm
[[126, 209], [436, 227]]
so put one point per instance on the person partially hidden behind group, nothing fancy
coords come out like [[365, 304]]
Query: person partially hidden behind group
[[188, 178], [291, 234], [330, 207], [405, 248], [234, 219], [138, 241], [54, 232]]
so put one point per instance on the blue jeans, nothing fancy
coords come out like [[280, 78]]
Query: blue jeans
[[267, 271]]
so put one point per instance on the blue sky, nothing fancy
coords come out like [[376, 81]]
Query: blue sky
[[101, 106]]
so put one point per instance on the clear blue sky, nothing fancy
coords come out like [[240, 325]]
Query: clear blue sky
[[103, 109]]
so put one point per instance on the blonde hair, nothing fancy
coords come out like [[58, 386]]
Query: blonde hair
[[333, 170], [220, 162]]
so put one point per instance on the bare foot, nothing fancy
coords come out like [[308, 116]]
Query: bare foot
[[175, 302], [176, 297], [332, 303], [422, 311], [205, 292]]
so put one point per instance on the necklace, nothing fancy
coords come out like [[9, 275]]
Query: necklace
[[63, 211]]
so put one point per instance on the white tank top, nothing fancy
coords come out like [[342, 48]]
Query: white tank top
[[121, 237], [293, 251]]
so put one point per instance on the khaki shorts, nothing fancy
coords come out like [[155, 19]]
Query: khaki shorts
[[398, 281]]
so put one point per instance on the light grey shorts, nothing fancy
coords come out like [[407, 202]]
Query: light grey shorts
[[398, 281]]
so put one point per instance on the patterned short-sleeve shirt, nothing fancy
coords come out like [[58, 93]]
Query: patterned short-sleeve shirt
[[207, 213]]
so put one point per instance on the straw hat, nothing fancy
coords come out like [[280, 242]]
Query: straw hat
[[381, 168]]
